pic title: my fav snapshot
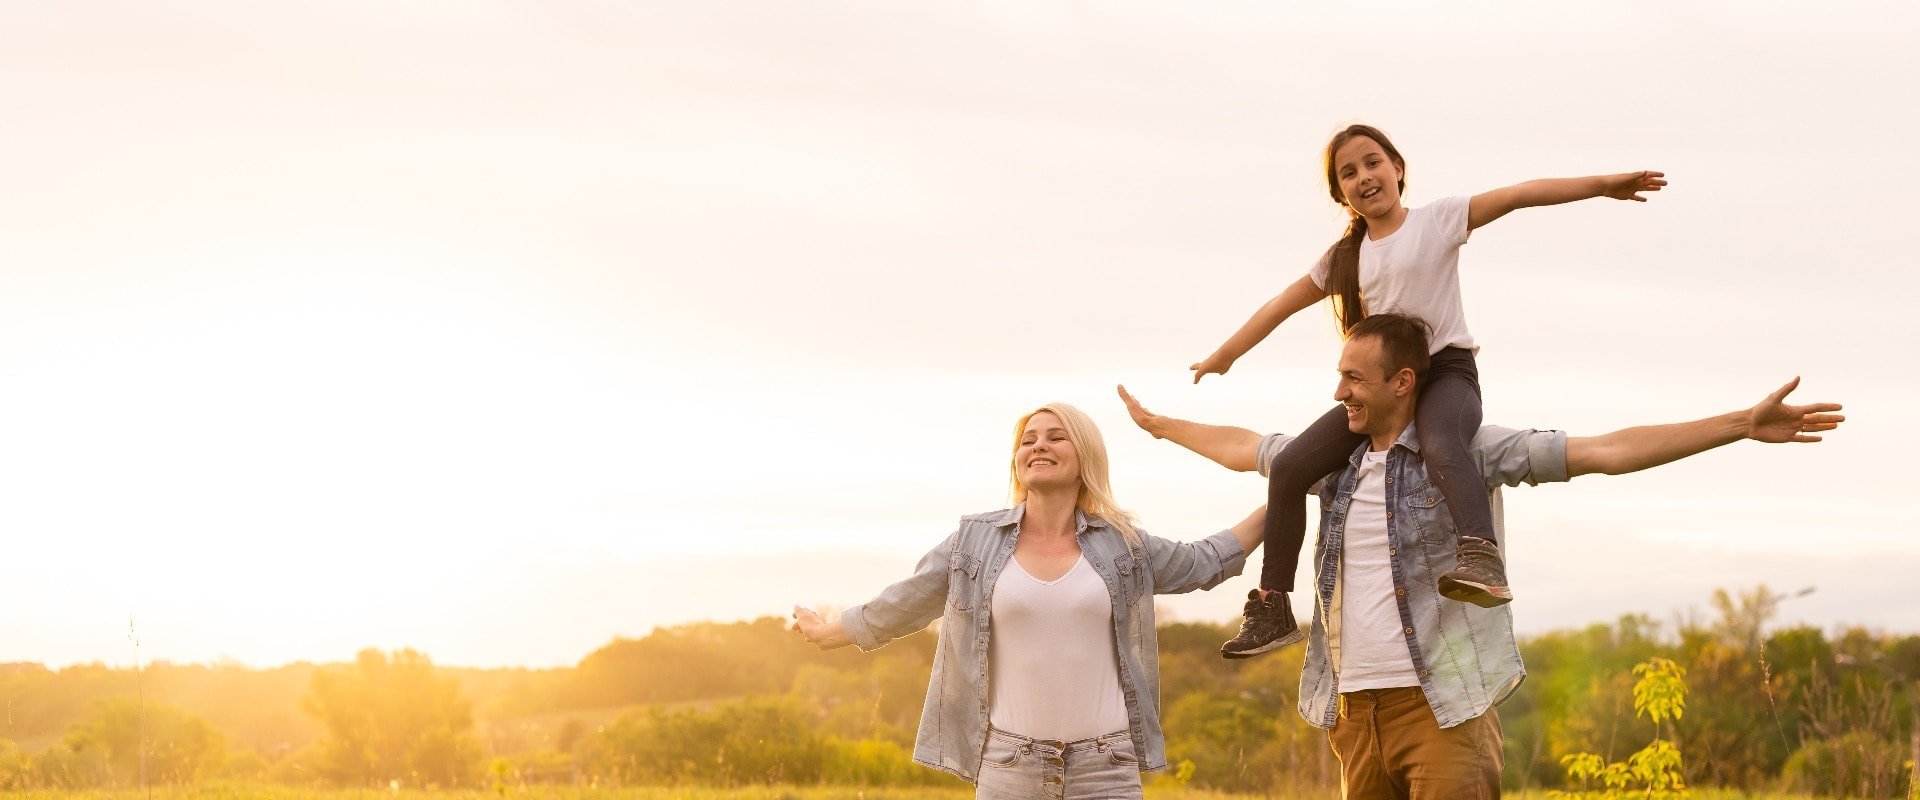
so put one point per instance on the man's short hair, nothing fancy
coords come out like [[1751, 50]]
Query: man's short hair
[[1403, 343]]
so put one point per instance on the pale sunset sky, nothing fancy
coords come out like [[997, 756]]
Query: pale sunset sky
[[498, 330]]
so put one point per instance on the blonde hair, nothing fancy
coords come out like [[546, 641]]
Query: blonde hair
[[1096, 494]]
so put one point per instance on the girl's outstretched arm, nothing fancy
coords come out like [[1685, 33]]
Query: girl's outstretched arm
[[1291, 300], [1488, 206]]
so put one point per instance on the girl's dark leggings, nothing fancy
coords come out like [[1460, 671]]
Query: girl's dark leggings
[[1445, 421]]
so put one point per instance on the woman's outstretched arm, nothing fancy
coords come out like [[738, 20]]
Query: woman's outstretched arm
[[1230, 447]]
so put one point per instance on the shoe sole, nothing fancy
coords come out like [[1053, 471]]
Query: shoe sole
[[1478, 594], [1291, 638]]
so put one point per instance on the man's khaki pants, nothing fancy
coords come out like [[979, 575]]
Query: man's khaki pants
[[1391, 748]]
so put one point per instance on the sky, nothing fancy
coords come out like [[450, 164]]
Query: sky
[[499, 330]]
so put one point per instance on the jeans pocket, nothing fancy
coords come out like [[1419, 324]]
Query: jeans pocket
[[1120, 751], [1000, 753]]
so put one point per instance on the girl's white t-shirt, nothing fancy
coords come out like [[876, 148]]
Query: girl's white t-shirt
[[1053, 670], [1416, 271]]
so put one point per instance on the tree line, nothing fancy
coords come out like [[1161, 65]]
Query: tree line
[[743, 703]]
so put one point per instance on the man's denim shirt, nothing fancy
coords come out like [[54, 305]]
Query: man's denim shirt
[[1465, 655], [957, 578]]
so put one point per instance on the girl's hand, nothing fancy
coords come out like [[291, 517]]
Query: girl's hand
[[1629, 185], [1213, 365]]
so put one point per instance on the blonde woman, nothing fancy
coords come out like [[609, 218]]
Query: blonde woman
[[1046, 679]]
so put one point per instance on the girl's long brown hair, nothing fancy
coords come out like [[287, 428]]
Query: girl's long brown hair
[[1343, 277]]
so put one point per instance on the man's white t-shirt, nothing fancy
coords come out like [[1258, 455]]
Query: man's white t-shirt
[[1416, 271], [1372, 650], [1507, 456]]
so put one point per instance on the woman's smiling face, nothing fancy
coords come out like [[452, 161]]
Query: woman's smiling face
[[1046, 457]]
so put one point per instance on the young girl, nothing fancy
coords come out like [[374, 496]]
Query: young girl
[[1402, 260]]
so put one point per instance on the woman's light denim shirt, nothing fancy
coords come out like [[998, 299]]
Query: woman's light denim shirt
[[956, 579], [1465, 655]]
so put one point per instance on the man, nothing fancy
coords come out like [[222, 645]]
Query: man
[[1408, 683]]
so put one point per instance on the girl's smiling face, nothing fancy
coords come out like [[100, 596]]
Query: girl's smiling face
[[1369, 180]]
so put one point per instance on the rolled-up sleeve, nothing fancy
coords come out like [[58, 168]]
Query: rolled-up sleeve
[[1270, 447], [1512, 457], [904, 607], [1185, 566]]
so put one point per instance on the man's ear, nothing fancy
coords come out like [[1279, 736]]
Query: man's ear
[[1403, 382]]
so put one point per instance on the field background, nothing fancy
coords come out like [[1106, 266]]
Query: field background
[[477, 334], [748, 705]]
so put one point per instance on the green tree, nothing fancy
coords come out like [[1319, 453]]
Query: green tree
[[701, 661], [759, 740], [1239, 730], [62, 767], [1850, 737], [392, 718], [1744, 679], [179, 747], [1576, 697], [882, 702]]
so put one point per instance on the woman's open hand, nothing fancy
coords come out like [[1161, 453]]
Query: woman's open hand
[[824, 635]]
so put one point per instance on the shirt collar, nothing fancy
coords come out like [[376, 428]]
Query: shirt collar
[[1409, 439], [1009, 517]]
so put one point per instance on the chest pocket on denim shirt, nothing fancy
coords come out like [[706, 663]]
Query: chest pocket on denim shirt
[[963, 581], [1130, 571], [1431, 520]]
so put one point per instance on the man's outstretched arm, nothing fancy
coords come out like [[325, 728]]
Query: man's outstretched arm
[[1622, 451], [1236, 449], [1634, 449]]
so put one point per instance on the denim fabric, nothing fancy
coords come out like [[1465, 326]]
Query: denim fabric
[[956, 579], [1465, 655], [1016, 767]]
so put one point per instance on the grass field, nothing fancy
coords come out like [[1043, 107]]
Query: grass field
[[955, 792]]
